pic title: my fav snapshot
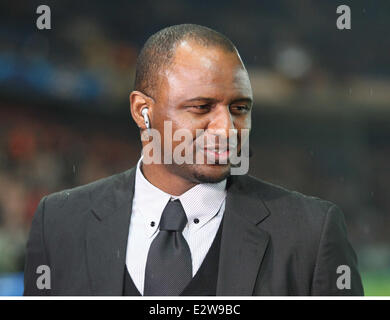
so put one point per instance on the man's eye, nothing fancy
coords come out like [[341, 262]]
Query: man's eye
[[201, 108], [240, 109]]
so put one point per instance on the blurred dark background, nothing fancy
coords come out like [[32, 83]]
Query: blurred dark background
[[321, 121]]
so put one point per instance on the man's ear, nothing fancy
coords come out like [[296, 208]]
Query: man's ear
[[139, 101]]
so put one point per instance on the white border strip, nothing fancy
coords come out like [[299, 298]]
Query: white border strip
[[195, 298]]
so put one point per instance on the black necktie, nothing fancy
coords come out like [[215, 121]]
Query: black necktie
[[169, 266]]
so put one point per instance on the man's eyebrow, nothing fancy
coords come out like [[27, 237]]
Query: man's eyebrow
[[243, 99], [201, 99]]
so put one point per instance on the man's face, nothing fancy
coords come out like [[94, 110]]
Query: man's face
[[208, 89]]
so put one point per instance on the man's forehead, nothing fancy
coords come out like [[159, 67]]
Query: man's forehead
[[192, 56], [201, 67]]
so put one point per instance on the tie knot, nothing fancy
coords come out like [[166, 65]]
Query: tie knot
[[173, 217]]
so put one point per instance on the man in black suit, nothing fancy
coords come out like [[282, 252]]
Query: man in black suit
[[169, 228]]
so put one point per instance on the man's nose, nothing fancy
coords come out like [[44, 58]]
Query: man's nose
[[222, 122]]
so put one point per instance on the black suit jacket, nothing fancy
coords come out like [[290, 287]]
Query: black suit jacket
[[274, 241]]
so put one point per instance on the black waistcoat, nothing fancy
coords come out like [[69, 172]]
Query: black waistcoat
[[204, 283]]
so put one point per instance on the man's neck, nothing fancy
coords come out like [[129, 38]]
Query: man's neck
[[165, 180]]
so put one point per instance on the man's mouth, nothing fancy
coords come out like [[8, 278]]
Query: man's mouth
[[220, 155], [216, 152]]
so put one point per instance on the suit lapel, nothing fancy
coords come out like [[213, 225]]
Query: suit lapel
[[243, 243], [107, 233]]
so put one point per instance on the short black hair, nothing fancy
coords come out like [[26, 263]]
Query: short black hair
[[159, 50]]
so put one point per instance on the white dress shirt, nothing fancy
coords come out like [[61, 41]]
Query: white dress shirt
[[204, 205]]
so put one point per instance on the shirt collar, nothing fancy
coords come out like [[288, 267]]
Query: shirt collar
[[201, 203]]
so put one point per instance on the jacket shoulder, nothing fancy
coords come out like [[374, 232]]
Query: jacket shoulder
[[79, 198], [283, 201]]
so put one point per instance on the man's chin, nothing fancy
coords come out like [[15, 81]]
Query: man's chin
[[211, 173]]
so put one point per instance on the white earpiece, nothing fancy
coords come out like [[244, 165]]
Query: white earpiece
[[144, 113]]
